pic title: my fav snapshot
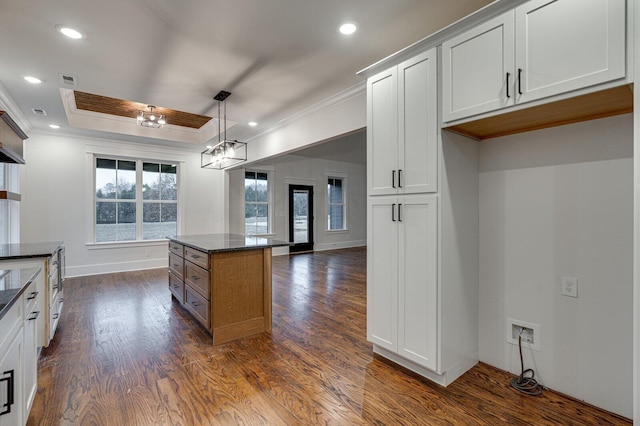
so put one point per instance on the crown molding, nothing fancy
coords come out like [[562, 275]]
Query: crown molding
[[8, 104], [338, 98]]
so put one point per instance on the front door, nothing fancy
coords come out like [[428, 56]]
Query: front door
[[300, 218]]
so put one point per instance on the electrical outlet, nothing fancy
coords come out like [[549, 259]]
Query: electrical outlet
[[570, 286], [530, 333]]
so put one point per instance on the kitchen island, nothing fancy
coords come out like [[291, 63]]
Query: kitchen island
[[224, 281]]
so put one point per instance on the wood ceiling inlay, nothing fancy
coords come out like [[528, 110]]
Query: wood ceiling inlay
[[122, 108]]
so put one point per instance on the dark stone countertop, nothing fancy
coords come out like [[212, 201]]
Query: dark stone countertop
[[214, 243], [28, 250], [13, 282]]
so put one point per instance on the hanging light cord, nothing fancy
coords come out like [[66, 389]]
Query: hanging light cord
[[526, 384]]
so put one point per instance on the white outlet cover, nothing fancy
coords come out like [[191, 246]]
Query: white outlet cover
[[514, 340], [570, 286]]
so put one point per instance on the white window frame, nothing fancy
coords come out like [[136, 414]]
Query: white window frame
[[269, 171], [138, 200], [345, 181]]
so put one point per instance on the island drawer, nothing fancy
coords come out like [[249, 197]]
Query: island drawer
[[197, 278], [176, 248], [176, 265], [198, 306], [196, 256], [176, 286]]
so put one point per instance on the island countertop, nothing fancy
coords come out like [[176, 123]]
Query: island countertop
[[214, 243], [28, 250], [13, 282]]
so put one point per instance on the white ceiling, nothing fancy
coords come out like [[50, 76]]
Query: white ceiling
[[275, 56]]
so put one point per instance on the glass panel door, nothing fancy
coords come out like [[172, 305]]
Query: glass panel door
[[301, 218]]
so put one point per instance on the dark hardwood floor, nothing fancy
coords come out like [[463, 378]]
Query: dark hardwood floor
[[126, 354]]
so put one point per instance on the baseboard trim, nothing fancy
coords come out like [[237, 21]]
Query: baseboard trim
[[109, 268]]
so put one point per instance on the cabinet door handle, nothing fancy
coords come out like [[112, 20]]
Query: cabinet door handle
[[399, 212], [508, 95], [393, 212], [56, 315], [195, 277], [520, 81], [393, 178], [34, 294], [195, 256], [33, 316], [10, 390], [196, 304], [399, 178]]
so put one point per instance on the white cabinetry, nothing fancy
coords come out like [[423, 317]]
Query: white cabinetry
[[540, 49], [402, 128], [18, 355], [410, 171], [11, 366], [402, 296], [32, 312]]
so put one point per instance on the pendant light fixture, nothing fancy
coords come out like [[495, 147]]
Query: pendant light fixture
[[225, 153]]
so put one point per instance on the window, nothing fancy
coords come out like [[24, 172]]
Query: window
[[256, 203], [335, 204], [135, 200]]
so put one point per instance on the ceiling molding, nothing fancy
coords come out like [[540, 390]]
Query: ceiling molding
[[8, 104], [333, 100]]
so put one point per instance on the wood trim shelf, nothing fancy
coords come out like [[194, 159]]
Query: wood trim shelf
[[7, 195], [605, 103]]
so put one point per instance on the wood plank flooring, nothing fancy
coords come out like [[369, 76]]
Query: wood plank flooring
[[126, 354]]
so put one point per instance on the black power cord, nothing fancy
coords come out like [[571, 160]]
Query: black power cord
[[526, 384]]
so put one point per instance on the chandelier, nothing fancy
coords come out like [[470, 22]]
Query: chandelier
[[225, 153], [151, 119]]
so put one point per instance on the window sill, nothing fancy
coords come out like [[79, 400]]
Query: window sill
[[261, 235], [125, 244], [336, 231]]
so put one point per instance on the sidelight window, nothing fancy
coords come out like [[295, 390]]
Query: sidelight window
[[134, 200]]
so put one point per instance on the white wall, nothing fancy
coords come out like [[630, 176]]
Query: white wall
[[338, 115], [308, 171], [57, 200], [553, 203]]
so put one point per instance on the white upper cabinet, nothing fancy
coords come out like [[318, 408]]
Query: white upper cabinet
[[564, 45], [478, 69], [402, 128], [540, 49]]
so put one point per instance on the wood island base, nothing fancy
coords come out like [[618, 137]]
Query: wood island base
[[227, 292]]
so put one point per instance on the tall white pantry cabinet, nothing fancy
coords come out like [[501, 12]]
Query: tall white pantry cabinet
[[422, 216]]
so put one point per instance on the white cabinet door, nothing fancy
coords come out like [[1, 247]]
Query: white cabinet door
[[418, 127], [30, 357], [418, 278], [11, 392], [382, 272], [477, 69], [564, 45], [382, 132]]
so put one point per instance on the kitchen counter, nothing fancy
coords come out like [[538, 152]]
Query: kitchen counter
[[13, 282], [23, 251], [216, 243]]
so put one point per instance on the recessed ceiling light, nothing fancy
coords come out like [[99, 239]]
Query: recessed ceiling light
[[54, 126], [32, 80], [253, 124], [70, 32], [348, 28]]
